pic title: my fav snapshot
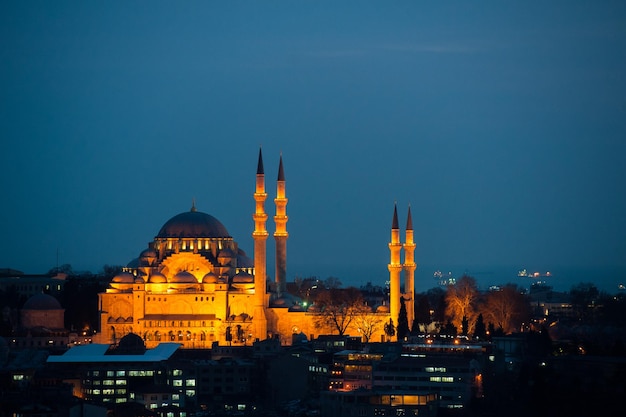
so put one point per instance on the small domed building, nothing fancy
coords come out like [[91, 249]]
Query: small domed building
[[41, 324]]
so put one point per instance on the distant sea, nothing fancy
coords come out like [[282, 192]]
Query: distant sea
[[606, 279]]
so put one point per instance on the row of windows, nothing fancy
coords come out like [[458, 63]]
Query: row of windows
[[179, 323], [414, 378], [390, 369], [200, 244], [121, 373], [177, 336]]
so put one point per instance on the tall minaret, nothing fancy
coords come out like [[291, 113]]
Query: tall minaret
[[281, 235], [395, 267], [409, 270], [260, 237]]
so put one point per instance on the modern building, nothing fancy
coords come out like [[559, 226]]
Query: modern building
[[194, 285]]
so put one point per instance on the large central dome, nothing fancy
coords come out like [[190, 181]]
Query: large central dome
[[193, 224]]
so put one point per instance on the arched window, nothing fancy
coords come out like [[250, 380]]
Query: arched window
[[157, 336], [202, 336]]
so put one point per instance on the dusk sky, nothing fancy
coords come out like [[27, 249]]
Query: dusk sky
[[503, 125]]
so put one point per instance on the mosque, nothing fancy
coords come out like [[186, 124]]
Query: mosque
[[194, 285]]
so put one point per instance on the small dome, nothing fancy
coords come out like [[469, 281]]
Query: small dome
[[184, 277], [148, 256], [209, 278], [148, 253], [139, 280], [131, 344], [313, 308], [157, 278], [42, 302], [243, 278], [124, 278], [382, 309]]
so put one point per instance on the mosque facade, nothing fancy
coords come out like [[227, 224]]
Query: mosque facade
[[193, 284]]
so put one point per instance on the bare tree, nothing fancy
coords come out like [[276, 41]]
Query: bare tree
[[507, 308], [462, 300], [367, 323], [338, 308]]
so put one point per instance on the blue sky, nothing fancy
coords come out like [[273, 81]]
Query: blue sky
[[503, 125]]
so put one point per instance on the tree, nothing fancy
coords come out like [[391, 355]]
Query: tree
[[461, 301], [507, 308], [367, 323], [449, 329], [480, 331], [332, 283], [338, 308], [390, 329], [423, 315], [403, 321], [464, 326]]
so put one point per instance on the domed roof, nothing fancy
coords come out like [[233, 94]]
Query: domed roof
[[209, 278], [184, 277], [42, 302], [382, 309], [124, 278], [157, 278], [243, 277], [148, 253], [193, 224], [131, 344]]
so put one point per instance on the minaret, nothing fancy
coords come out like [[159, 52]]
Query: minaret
[[260, 237], [409, 269], [395, 267], [281, 235]]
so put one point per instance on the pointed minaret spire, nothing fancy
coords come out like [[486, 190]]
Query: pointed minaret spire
[[409, 269], [260, 249], [394, 223], [281, 235], [193, 204], [409, 220], [259, 169], [395, 268], [281, 172]]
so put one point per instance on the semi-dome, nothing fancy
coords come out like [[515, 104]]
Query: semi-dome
[[193, 224], [42, 302], [184, 277], [157, 278], [209, 278], [124, 278], [243, 278]]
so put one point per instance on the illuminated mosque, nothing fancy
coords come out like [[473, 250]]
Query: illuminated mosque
[[195, 286]]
